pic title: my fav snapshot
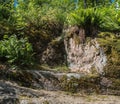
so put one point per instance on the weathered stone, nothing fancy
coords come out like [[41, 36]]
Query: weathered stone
[[11, 91], [84, 56], [54, 53], [9, 100]]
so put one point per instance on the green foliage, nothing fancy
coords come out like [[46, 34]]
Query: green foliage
[[37, 15], [43, 20], [6, 17], [38, 18], [85, 17], [40, 22], [16, 51], [111, 45], [5, 10], [110, 19], [103, 18]]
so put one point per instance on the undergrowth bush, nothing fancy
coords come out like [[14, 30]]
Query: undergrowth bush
[[91, 19], [83, 17], [16, 51], [111, 19]]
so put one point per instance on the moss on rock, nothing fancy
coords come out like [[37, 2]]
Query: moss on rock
[[88, 84], [110, 42]]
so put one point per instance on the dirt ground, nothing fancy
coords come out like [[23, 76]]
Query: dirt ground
[[10, 91], [58, 97]]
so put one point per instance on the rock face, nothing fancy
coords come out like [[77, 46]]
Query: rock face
[[10, 93], [24, 86], [32, 79], [54, 53], [84, 56], [37, 79]]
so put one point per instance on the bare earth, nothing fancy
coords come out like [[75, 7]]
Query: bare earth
[[58, 97], [9, 91]]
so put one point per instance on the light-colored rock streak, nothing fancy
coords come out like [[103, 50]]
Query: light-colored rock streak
[[84, 57]]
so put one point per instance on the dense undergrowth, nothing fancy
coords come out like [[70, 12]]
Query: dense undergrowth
[[35, 30], [16, 51]]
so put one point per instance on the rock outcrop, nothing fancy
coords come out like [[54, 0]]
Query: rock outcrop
[[11, 93], [23, 86], [54, 53], [84, 54], [52, 80]]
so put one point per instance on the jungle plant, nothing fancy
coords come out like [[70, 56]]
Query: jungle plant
[[87, 19], [16, 51], [111, 19], [93, 20]]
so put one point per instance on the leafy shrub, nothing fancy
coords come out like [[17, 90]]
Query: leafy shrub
[[83, 17], [26, 15], [87, 19], [16, 51], [111, 19], [40, 24], [96, 19]]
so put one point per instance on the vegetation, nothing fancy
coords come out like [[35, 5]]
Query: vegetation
[[32, 33], [16, 51], [37, 23]]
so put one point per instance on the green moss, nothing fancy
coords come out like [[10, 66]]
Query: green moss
[[57, 41], [58, 68], [77, 39], [112, 71], [46, 102], [93, 71], [115, 84], [23, 78], [88, 39], [69, 85], [88, 84], [111, 45], [62, 68], [106, 35]]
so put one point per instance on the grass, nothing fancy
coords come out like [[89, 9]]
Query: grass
[[60, 68]]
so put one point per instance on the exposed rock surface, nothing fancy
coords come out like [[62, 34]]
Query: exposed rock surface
[[51, 80], [37, 79], [84, 55], [11, 93], [16, 87], [54, 53]]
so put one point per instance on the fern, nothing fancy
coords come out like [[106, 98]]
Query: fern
[[102, 18], [16, 51]]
